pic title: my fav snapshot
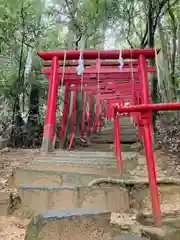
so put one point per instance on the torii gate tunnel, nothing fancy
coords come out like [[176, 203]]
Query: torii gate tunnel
[[119, 88]]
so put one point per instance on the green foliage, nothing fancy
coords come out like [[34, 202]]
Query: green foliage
[[30, 25]]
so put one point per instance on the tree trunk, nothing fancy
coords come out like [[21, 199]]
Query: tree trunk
[[178, 50], [32, 126], [70, 43], [17, 131], [174, 49], [165, 73], [152, 62]]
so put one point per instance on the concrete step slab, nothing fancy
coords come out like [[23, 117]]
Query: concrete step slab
[[75, 160], [123, 139], [76, 224], [128, 165], [85, 156], [82, 154], [36, 198], [126, 196], [93, 153], [130, 162], [130, 135], [78, 158], [78, 162], [48, 166], [53, 178]]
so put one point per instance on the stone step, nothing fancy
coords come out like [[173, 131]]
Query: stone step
[[103, 147], [77, 158], [109, 156], [74, 160], [82, 153], [93, 165], [53, 178], [59, 165], [78, 162], [128, 133], [128, 158], [96, 224], [129, 195], [124, 129], [76, 224], [48, 166], [131, 137], [37, 198]]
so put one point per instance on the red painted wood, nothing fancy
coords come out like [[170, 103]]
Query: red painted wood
[[93, 54], [104, 82]]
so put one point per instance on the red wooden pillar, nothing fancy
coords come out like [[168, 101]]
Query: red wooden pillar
[[50, 122], [115, 138], [73, 120], [96, 122], [118, 144], [83, 114], [101, 115], [147, 134], [65, 114], [90, 115]]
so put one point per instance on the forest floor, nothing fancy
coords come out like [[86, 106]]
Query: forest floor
[[12, 228]]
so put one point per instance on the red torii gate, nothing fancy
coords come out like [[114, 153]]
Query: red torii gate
[[129, 85]]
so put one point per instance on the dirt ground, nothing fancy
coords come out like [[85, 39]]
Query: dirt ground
[[12, 228]]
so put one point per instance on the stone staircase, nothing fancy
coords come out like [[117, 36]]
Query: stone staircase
[[128, 133], [62, 179], [72, 195]]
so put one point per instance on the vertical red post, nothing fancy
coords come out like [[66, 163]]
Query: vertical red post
[[115, 137], [101, 115], [73, 120], [65, 113], [118, 145], [90, 115], [107, 110], [147, 134], [97, 115], [83, 114], [50, 122]]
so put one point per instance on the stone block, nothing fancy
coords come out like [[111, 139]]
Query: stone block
[[36, 198], [70, 224]]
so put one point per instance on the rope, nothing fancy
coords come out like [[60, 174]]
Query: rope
[[82, 80], [82, 74], [121, 61], [98, 77], [80, 67], [82, 48], [63, 69]]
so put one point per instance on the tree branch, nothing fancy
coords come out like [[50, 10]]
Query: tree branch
[[171, 5], [144, 40]]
